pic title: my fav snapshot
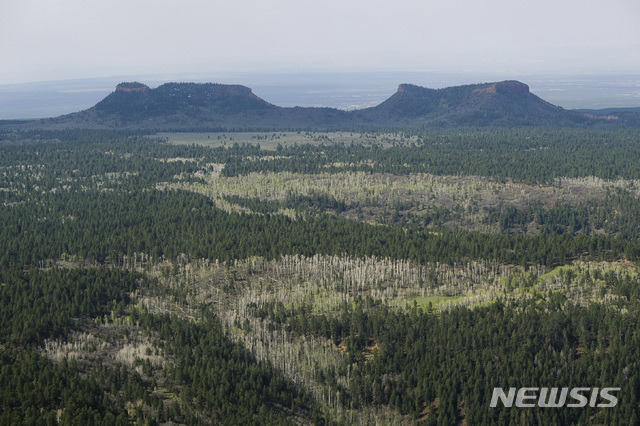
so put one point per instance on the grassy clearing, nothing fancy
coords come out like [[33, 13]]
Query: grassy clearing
[[556, 272], [429, 303]]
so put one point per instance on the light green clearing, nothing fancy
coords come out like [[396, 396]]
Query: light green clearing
[[423, 302], [556, 271]]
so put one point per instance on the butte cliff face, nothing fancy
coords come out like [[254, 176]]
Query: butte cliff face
[[132, 87], [129, 99], [510, 86]]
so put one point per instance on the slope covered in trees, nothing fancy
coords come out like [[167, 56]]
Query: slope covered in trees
[[398, 278]]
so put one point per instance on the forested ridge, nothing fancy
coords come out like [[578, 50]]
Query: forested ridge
[[462, 354], [397, 278], [529, 155], [39, 305]]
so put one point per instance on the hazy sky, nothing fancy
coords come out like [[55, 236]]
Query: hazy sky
[[49, 40]]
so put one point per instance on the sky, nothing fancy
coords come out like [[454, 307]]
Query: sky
[[44, 40]]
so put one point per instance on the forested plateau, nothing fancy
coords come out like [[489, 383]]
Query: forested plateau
[[295, 277]]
